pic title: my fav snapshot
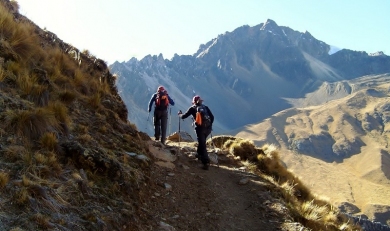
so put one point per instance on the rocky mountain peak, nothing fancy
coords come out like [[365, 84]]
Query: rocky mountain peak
[[269, 25]]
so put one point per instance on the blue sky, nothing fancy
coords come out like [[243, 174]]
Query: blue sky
[[117, 30]]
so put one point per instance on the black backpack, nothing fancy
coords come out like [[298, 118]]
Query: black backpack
[[203, 118], [162, 101]]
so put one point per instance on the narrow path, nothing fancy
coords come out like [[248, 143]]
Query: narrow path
[[186, 197]]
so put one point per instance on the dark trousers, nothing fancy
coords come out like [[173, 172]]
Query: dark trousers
[[202, 134], [160, 121]]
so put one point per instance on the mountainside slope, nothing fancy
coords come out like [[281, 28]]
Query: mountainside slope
[[65, 141], [344, 141]]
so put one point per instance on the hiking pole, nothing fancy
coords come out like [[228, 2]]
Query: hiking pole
[[179, 113], [147, 120], [170, 119]]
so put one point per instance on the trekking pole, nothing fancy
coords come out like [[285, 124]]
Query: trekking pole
[[147, 120], [170, 119], [179, 113]]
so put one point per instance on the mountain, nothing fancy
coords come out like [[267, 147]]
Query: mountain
[[244, 75], [340, 132], [271, 84]]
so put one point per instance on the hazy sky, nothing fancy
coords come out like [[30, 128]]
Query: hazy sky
[[117, 30]]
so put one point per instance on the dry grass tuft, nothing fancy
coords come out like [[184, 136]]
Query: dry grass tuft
[[19, 38], [245, 149], [21, 196], [49, 141], [14, 152], [53, 163], [40, 158], [4, 179], [32, 90], [220, 141], [2, 74], [94, 100], [32, 124], [15, 5], [312, 211], [81, 82], [67, 97], [85, 138]]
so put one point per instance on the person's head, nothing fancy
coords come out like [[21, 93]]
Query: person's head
[[197, 100], [160, 89]]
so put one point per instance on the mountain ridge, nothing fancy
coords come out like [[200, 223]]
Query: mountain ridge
[[246, 71]]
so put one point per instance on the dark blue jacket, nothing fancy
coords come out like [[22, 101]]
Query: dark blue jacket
[[192, 111]]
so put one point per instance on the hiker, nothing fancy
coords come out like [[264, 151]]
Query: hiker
[[161, 101], [203, 120]]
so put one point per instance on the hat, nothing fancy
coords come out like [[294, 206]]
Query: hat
[[160, 88], [196, 99]]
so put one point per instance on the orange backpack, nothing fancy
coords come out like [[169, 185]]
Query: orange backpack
[[202, 117], [162, 100]]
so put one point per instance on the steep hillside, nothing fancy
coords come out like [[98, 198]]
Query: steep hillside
[[65, 144], [344, 141], [244, 75]]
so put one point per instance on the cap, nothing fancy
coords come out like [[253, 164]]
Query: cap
[[196, 99], [160, 88]]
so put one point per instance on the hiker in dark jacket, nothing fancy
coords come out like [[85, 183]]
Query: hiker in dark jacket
[[202, 130], [161, 101]]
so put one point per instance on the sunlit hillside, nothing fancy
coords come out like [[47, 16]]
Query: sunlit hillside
[[65, 139], [339, 148]]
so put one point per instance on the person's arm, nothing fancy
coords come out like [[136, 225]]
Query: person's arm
[[189, 112], [151, 102], [171, 102]]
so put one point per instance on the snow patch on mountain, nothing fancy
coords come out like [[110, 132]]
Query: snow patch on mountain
[[333, 50], [201, 54]]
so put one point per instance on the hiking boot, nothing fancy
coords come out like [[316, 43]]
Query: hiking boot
[[157, 138], [205, 167]]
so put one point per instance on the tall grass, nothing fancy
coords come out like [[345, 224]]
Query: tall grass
[[2, 73], [31, 124], [18, 40], [4, 179]]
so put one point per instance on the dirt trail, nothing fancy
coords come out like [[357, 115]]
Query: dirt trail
[[186, 197]]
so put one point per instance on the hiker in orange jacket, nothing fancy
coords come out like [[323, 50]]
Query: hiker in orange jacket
[[203, 120]]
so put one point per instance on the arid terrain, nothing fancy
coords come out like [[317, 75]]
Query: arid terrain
[[339, 148]]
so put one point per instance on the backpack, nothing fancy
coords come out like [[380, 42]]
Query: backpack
[[203, 118], [162, 101]]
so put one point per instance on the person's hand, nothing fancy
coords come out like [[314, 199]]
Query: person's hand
[[179, 113]]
